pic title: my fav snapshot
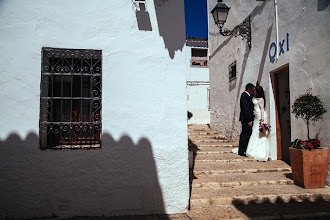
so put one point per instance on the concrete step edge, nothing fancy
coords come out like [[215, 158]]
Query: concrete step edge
[[214, 136], [217, 145], [210, 184], [208, 137], [198, 213], [223, 160], [210, 172], [212, 152], [210, 132], [210, 141], [315, 215], [259, 199]]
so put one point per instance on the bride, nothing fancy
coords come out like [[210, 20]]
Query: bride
[[258, 147]]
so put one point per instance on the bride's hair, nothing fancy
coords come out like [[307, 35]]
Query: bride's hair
[[260, 94]]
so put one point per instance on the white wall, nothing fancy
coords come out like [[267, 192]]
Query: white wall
[[307, 23], [142, 166], [195, 73], [197, 87], [197, 96]]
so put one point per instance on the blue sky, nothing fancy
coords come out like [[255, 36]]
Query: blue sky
[[196, 18]]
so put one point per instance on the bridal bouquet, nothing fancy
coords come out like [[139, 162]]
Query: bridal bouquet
[[263, 127]]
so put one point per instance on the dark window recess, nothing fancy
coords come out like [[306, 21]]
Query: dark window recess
[[198, 52], [232, 71], [70, 102], [199, 57]]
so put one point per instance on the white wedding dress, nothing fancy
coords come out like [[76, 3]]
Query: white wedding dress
[[258, 147]]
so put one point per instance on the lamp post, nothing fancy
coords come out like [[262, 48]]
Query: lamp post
[[220, 13]]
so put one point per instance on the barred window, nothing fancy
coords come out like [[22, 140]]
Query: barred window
[[199, 58], [232, 71], [70, 102]]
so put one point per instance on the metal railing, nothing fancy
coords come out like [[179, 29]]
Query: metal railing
[[199, 63]]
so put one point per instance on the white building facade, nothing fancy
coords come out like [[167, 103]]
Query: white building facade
[[94, 109], [302, 66], [198, 84]]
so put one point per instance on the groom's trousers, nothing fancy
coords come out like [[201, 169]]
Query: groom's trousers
[[244, 138]]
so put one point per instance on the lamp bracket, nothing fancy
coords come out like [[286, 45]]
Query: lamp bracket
[[137, 5], [243, 29]]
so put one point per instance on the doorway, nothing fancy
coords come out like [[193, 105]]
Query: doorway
[[281, 86]]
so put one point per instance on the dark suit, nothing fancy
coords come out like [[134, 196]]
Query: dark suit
[[245, 117]]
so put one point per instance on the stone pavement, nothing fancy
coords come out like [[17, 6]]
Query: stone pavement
[[227, 186]]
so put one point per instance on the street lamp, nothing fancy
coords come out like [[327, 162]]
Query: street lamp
[[220, 13]]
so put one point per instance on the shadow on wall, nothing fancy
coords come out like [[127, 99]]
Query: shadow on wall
[[143, 19], [171, 24], [264, 54], [246, 55], [240, 81], [232, 85], [322, 4], [118, 179], [267, 40]]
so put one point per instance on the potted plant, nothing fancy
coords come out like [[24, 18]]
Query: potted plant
[[309, 161], [189, 114]]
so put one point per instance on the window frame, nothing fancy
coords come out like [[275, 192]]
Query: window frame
[[232, 76], [58, 130], [199, 57]]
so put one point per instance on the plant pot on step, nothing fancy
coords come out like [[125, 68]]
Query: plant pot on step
[[309, 167]]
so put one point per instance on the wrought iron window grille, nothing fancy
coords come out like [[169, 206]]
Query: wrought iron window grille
[[232, 71], [71, 99]]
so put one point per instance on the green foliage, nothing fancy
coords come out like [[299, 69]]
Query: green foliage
[[308, 107]]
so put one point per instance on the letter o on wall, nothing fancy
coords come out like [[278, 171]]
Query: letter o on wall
[[272, 57]]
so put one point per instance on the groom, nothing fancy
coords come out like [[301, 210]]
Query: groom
[[246, 118]]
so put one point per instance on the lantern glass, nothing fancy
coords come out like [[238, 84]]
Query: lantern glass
[[220, 13]]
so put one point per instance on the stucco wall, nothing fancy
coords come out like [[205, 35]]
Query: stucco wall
[[307, 23], [142, 166], [197, 103], [197, 87]]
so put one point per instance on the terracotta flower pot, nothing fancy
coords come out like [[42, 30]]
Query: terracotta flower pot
[[309, 167]]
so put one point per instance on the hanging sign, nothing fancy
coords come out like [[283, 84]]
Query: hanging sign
[[273, 48]]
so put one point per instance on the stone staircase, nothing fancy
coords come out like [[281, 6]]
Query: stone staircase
[[227, 186]]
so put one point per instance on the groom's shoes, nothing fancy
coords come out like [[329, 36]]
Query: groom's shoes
[[242, 154]]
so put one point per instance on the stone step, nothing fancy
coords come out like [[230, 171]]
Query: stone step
[[231, 182], [194, 128], [215, 137], [239, 167], [220, 212], [198, 126], [203, 156], [205, 140], [294, 210], [261, 170], [219, 144], [213, 150], [213, 196], [204, 133], [239, 160], [242, 179]]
